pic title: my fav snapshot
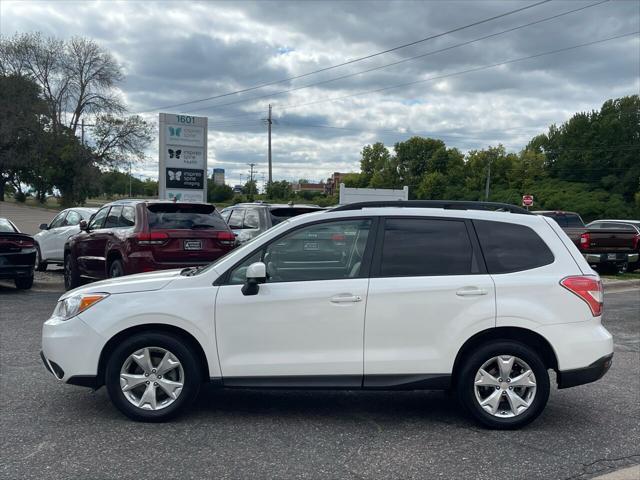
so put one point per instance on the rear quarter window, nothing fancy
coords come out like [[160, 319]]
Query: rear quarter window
[[508, 247]]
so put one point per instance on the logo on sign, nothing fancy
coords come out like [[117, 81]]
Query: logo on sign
[[175, 131], [177, 153], [185, 178]]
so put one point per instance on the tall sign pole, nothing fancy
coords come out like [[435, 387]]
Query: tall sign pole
[[269, 125], [183, 158]]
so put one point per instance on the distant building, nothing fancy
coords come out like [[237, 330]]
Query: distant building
[[218, 176], [333, 183], [237, 189], [308, 187]]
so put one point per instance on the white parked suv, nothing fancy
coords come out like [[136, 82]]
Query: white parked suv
[[52, 237], [383, 295]]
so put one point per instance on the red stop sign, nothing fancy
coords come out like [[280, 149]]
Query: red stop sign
[[527, 200]]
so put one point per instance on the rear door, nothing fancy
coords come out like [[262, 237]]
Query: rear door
[[428, 293], [90, 247]]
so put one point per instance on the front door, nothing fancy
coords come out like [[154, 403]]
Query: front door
[[305, 326]]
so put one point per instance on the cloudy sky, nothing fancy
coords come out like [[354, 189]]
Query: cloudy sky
[[179, 51]]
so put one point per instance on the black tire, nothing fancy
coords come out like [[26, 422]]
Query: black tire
[[40, 265], [24, 283], [71, 274], [465, 383], [116, 269], [192, 379]]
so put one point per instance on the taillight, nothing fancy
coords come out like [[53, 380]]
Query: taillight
[[26, 243], [585, 240], [338, 237], [589, 289], [228, 239], [636, 242], [151, 238]]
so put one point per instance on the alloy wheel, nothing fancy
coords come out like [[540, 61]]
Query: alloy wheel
[[505, 386], [152, 378]]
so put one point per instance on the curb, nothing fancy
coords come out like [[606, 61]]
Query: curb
[[629, 473], [615, 285]]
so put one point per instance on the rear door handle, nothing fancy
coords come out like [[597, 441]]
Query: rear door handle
[[471, 291], [346, 298]]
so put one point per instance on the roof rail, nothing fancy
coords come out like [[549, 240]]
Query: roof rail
[[446, 204]]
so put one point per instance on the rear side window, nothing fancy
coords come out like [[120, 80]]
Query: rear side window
[[426, 247], [184, 216], [511, 248], [114, 217], [251, 218], [128, 218], [235, 220]]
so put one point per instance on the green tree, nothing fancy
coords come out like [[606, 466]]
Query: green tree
[[279, 190]]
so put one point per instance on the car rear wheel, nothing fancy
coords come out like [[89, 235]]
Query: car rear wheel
[[116, 269], [24, 283], [40, 265], [152, 376], [71, 274], [503, 385]]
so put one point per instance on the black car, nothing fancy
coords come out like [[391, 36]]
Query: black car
[[17, 255], [248, 220]]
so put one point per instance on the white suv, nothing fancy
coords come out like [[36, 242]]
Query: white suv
[[386, 295]]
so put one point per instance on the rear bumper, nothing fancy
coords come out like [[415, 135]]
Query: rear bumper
[[611, 257], [580, 376], [141, 262], [20, 264]]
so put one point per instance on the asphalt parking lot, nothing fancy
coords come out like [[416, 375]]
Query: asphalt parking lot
[[54, 431]]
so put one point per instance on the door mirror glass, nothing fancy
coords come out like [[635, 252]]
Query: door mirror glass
[[44, 226], [256, 274]]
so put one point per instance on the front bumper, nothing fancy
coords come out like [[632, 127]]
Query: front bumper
[[580, 376], [71, 351], [617, 258]]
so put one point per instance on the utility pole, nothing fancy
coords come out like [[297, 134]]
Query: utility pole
[[251, 177], [486, 188], [269, 122], [130, 179]]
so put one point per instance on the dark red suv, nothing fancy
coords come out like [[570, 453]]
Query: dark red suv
[[135, 236]]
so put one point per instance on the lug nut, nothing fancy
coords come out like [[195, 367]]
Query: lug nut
[[146, 374], [508, 380], [510, 388], [147, 382], [155, 384], [497, 388], [153, 371], [500, 380], [159, 376]]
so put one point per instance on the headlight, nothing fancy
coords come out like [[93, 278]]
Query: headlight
[[75, 304]]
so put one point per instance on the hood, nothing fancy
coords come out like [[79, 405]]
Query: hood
[[141, 282]]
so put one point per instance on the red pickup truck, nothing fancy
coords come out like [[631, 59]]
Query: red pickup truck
[[603, 245]]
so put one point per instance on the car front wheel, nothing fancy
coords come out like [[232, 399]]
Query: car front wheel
[[503, 385], [152, 376]]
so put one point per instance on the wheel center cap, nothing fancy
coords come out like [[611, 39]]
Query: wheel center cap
[[504, 385], [153, 377]]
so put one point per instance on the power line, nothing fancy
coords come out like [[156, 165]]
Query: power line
[[404, 60], [349, 62], [461, 72]]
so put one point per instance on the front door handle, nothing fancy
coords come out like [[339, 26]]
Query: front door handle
[[346, 298], [471, 291]]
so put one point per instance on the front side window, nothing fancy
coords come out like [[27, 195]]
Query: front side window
[[58, 221], [508, 247], [324, 251], [426, 247], [98, 220]]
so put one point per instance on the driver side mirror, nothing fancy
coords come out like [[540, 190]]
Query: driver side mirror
[[44, 226], [256, 274], [84, 226]]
